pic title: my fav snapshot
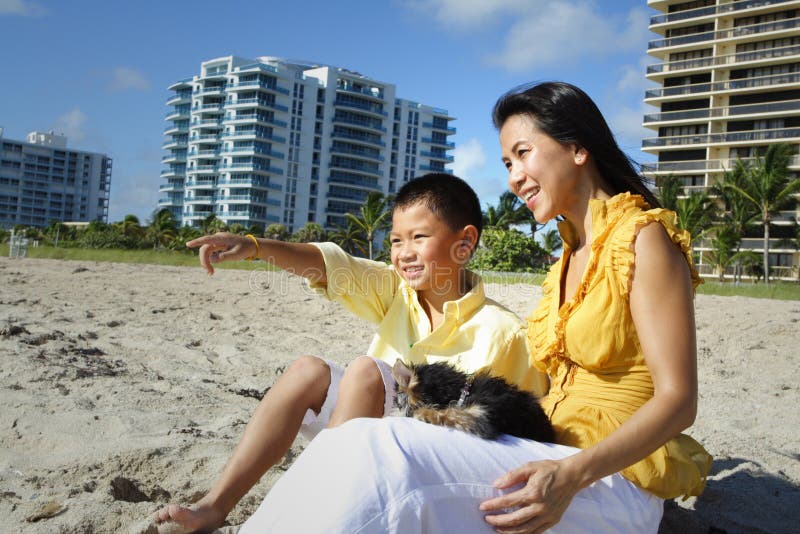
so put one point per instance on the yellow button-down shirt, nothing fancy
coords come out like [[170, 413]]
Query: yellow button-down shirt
[[476, 332]]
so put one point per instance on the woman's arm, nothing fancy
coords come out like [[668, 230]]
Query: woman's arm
[[297, 258], [663, 313]]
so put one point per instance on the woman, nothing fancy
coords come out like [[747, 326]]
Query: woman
[[615, 332]]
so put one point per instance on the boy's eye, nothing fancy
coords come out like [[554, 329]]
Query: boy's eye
[[419, 236]]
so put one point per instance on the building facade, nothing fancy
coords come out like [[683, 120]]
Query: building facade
[[266, 141], [41, 180], [729, 86]]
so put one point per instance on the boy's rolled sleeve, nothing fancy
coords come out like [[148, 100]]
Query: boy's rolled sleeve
[[514, 364], [365, 287]]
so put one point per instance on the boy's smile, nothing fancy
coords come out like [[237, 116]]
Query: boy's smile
[[425, 252]]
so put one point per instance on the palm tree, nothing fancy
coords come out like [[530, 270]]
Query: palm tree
[[551, 241], [373, 216], [237, 228], [311, 232], [768, 188], [670, 188], [724, 249], [162, 229], [350, 238], [276, 231], [695, 213], [739, 213], [510, 211]]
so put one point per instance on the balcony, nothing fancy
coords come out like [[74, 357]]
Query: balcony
[[365, 107], [439, 127], [174, 158], [209, 199], [203, 169], [756, 56], [351, 121], [257, 103], [180, 98], [786, 107], [723, 138], [701, 166], [356, 167], [253, 118], [434, 155], [174, 129], [429, 168], [732, 33], [376, 94], [197, 214], [431, 141], [259, 182], [210, 109], [167, 188], [711, 11], [200, 184], [252, 134], [255, 84], [215, 90], [366, 138], [252, 167], [251, 150], [207, 123], [172, 173], [730, 85], [356, 153], [177, 114]]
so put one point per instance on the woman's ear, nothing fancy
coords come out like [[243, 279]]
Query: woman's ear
[[581, 155]]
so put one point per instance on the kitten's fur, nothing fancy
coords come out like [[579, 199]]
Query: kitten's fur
[[431, 392]]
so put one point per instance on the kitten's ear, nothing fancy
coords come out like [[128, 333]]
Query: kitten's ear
[[402, 374]]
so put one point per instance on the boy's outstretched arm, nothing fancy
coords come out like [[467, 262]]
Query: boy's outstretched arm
[[298, 258]]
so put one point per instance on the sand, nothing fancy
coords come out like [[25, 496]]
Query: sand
[[125, 387]]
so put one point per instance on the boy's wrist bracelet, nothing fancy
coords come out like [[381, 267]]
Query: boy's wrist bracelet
[[257, 255]]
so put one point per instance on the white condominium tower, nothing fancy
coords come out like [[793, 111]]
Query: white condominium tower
[[729, 76], [41, 180], [269, 140]]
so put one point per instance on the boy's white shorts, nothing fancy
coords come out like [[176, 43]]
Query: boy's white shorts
[[314, 422]]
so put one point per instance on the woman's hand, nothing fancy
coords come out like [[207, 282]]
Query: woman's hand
[[221, 247], [539, 504]]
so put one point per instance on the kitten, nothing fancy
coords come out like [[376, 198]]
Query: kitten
[[478, 403]]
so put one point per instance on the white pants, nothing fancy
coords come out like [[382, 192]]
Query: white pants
[[313, 423], [399, 475]]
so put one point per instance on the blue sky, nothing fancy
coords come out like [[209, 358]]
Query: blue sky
[[98, 71]]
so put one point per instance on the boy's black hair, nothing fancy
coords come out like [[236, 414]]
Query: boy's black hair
[[448, 197]]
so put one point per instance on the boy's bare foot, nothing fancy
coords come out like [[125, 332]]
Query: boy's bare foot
[[199, 517]]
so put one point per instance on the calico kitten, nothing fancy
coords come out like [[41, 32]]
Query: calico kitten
[[478, 403]]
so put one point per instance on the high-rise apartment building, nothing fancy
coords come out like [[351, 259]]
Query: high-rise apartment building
[[729, 76], [274, 141], [41, 180]]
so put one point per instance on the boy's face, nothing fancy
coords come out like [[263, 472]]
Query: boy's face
[[425, 251]]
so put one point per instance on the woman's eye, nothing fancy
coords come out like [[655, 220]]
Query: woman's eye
[[521, 152]]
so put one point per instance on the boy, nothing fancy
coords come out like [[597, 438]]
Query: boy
[[428, 308]]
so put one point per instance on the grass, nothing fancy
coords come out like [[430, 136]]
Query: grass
[[776, 290], [154, 257]]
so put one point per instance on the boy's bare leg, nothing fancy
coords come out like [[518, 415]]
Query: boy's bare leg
[[361, 392], [269, 434]]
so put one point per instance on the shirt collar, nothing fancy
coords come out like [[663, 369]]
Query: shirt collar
[[465, 306], [601, 211]]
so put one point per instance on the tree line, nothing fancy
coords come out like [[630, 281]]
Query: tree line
[[750, 195]]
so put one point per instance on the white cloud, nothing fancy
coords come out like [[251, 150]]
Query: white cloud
[[466, 14], [543, 32], [563, 32], [626, 124], [632, 77], [468, 158], [72, 125], [133, 194], [24, 8], [124, 78]]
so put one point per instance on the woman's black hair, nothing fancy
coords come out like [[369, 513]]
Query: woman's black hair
[[568, 115]]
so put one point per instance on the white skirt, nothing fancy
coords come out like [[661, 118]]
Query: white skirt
[[398, 475]]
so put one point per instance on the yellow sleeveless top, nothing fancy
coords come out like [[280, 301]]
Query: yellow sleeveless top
[[590, 350]]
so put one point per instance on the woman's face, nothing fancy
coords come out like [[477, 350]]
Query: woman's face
[[541, 171]]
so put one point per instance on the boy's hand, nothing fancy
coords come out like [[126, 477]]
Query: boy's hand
[[221, 247]]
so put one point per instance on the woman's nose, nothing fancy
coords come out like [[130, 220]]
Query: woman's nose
[[515, 178]]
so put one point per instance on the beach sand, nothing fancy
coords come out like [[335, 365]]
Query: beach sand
[[125, 387]]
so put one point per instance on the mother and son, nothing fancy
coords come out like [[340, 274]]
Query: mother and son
[[610, 349]]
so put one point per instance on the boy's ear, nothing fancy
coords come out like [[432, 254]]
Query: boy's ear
[[469, 238], [401, 372]]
